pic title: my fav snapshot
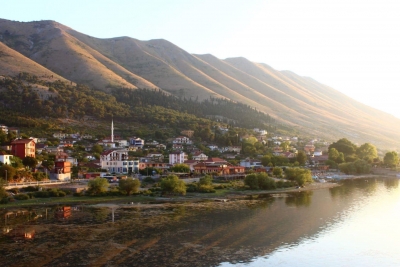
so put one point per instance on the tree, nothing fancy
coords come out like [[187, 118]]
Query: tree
[[181, 167], [30, 162], [172, 184], [3, 192], [301, 157], [98, 186], [251, 181], [206, 180], [96, 148], [391, 159], [129, 185], [265, 160], [301, 176], [345, 146], [9, 171], [367, 152], [359, 166], [277, 172]]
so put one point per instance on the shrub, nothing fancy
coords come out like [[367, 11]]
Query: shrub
[[191, 187], [31, 188], [148, 180], [21, 196], [42, 194], [206, 189]]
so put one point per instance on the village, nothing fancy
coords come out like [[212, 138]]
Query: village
[[114, 159]]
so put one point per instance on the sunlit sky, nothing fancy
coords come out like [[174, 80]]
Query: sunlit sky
[[350, 45]]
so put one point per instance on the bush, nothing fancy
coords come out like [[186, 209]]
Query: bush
[[191, 187], [206, 189], [31, 188], [21, 196], [148, 180], [42, 194]]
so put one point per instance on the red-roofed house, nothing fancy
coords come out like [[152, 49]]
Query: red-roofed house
[[23, 148]]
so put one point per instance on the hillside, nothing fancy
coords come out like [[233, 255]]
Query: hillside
[[105, 64]]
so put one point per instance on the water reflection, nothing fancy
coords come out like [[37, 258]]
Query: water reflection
[[299, 199], [239, 232]]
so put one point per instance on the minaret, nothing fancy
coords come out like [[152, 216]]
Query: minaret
[[112, 131]]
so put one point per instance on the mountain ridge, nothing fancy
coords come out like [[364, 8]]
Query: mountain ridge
[[125, 62]]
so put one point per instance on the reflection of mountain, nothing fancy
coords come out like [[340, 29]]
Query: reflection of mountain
[[180, 235]]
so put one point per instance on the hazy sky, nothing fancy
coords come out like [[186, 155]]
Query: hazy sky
[[350, 45]]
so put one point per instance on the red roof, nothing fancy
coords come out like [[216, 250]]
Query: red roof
[[22, 141]]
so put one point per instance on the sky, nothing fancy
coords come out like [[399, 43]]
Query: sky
[[350, 45]]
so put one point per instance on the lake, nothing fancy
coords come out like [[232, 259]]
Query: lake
[[354, 224]]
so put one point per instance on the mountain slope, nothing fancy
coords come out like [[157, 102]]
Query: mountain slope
[[301, 102]]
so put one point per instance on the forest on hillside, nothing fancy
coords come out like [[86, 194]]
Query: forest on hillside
[[27, 101]]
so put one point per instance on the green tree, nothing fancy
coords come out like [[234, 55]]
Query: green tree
[[98, 186], [391, 159], [206, 180], [251, 181], [277, 172], [9, 171], [359, 166], [265, 160], [172, 184], [129, 185], [265, 182], [301, 157], [97, 149], [345, 146], [367, 152], [301, 176], [30, 162], [181, 167]]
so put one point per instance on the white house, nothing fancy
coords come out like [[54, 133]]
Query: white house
[[177, 157], [200, 156], [5, 158], [117, 161], [182, 140], [249, 163], [213, 147]]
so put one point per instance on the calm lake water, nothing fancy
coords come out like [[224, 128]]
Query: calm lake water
[[355, 224]]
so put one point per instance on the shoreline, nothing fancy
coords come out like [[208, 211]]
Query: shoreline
[[126, 201]]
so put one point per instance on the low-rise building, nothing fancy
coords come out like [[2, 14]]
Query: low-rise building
[[23, 148], [117, 161]]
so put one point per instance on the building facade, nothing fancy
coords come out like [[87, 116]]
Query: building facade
[[23, 148], [117, 161]]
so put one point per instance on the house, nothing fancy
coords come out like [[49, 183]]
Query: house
[[191, 163], [188, 133], [177, 146], [199, 156], [161, 146], [259, 131], [212, 147], [289, 155], [60, 135], [117, 161], [159, 157], [177, 157], [250, 163], [182, 140], [5, 158], [309, 149], [137, 142], [62, 170], [236, 149], [23, 148]]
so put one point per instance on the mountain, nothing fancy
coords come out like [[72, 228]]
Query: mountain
[[300, 102]]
